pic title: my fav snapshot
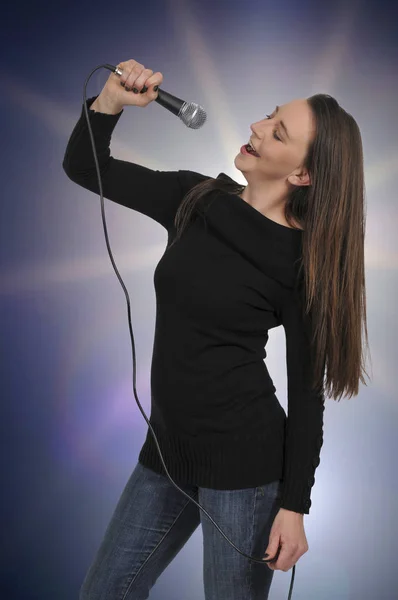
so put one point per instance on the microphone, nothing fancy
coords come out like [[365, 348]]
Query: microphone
[[191, 114]]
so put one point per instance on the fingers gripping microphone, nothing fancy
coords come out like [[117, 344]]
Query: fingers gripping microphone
[[193, 116]]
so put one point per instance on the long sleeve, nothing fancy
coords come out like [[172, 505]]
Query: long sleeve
[[304, 425], [154, 193]]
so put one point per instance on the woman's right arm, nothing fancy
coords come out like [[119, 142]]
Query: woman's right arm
[[154, 193]]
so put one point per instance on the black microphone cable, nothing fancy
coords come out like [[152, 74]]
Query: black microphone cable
[[116, 70]]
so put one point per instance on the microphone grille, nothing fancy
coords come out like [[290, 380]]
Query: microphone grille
[[192, 115]]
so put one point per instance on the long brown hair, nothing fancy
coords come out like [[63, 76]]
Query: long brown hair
[[331, 212]]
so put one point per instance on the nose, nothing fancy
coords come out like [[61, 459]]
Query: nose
[[254, 132]]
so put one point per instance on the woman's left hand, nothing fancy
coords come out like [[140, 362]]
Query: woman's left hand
[[288, 533]]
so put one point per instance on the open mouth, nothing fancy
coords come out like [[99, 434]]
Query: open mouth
[[249, 150]]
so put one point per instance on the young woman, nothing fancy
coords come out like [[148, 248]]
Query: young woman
[[285, 249]]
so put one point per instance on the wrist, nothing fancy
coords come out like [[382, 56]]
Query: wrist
[[291, 512], [105, 105]]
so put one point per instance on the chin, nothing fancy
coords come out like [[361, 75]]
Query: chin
[[236, 160]]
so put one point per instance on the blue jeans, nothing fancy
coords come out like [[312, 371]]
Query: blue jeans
[[152, 522]]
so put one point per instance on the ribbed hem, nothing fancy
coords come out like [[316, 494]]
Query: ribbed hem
[[218, 463]]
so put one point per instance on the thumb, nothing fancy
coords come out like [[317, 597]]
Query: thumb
[[272, 547]]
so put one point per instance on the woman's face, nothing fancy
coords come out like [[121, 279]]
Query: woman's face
[[282, 149]]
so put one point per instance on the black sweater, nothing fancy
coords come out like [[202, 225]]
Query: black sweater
[[230, 278]]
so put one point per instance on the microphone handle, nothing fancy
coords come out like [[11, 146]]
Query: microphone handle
[[172, 103]]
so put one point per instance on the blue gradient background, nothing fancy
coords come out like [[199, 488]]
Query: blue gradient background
[[71, 429]]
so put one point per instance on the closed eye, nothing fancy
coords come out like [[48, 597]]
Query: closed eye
[[274, 132]]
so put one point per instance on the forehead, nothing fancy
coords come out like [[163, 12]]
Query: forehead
[[299, 120]]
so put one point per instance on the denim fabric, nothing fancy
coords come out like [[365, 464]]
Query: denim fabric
[[153, 520]]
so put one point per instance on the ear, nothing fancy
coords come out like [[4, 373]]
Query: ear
[[300, 179]]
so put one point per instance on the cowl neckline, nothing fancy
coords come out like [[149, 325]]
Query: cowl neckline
[[270, 246], [271, 223]]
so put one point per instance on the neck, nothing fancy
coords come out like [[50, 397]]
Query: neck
[[269, 201]]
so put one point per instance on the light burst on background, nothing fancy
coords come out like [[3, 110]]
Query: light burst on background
[[238, 61]]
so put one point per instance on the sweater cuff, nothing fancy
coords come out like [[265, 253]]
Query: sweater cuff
[[299, 477], [99, 116], [296, 495]]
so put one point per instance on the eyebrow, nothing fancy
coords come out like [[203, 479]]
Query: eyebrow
[[283, 125]]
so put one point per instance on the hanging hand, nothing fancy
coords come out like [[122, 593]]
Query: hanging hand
[[288, 536]]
